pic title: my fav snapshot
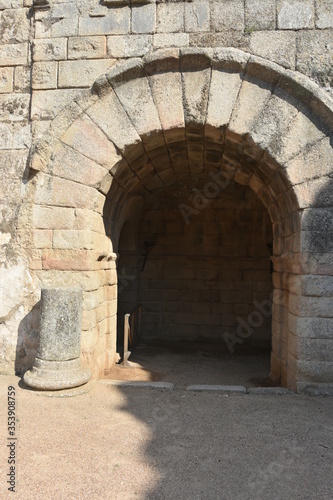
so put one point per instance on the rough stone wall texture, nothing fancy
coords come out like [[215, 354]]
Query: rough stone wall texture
[[73, 42], [49, 55], [15, 141]]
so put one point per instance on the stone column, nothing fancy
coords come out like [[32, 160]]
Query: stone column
[[57, 365]]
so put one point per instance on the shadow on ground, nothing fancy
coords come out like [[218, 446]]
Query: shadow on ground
[[244, 447], [196, 362]]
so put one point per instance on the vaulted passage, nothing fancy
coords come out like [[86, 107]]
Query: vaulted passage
[[190, 183], [196, 238], [197, 259]]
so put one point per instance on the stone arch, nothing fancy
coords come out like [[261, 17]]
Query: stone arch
[[150, 123]]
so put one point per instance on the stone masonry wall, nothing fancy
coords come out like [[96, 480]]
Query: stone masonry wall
[[74, 42], [50, 52]]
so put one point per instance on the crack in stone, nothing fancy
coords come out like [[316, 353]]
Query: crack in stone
[[11, 313]]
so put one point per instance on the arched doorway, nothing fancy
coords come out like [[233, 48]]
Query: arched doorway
[[146, 127], [201, 271]]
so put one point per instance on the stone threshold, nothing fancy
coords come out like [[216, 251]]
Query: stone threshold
[[239, 389], [224, 389]]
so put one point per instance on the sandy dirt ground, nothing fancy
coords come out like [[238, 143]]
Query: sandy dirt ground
[[186, 363], [140, 443]]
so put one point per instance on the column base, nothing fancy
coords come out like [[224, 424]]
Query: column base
[[56, 375]]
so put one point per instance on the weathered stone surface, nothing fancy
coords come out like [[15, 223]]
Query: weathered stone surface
[[317, 263], [64, 193], [151, 385], [5, 136], [321, 389], [295, 14], [303, 132], [162, 40], [50, 49], [84, 136], [45, 75], [129, 70], [260, 15], [224, 89], [143, 19], [14, 26], [318, 219], [6, 80], [56, 375], [273, 123], [237, 39], [324, 14], [62, 20], [277, 46], [61, 123], [70, 164], [12, 169], [38, 4], [309, 349], [82, 73], [5, 4], [12, 284], [316, 328], [311, 285], [13, 54], [170, 17], [315, 162], [74, 239], [137, 100], [120, 131], [245, 112], [314, 56], [115, 21], [230, 59], [22, 79], [46, 104], [313, 372], [129, 46], [13, 355], [90, 47], [217, 388], [196, 90], [42, 238], [268, 72], [71, 260], [311, 306], [60, 331], [316, 241], [197, 16], [53, 217], [22, 135], [168, 98], [14, 107], [227, 15]]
